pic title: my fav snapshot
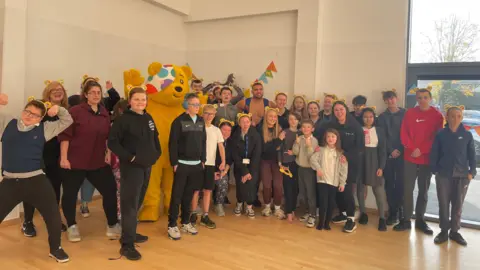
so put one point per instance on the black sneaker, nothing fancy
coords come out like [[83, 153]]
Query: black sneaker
[[207, 222], [382, 225], [423, 227], [327, 227], [350, 226], [64, 227], [60, 256], [392, 220], [339, 219], [404, 225], [28, 229], [257, 203], [363, 219], [441, 238], [193, 218], [455, 236], [140, 238], [129, 252], [320, 226]]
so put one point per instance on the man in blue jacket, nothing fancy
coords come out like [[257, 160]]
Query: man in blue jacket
[[452, 160]]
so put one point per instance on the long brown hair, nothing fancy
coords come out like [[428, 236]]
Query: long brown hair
[[52, 86], [304, 112], [267, 136], [338, 144]]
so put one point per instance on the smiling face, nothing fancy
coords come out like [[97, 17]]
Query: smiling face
[[313, 110], [55, 93], [391, 102], [244, 123], [138, 102], [257, 91], [298, 104], [327, 104], [168, 84], [340, 112], [368, 119], [209, 114], [226, 131], [271, 118], [281, 101]]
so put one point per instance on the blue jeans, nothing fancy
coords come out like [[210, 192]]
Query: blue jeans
[[86, 191]]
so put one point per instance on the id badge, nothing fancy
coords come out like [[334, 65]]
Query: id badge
[[246, 161]]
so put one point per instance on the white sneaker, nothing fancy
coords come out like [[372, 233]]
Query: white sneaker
[[311, 222], [250, 213], [174, 233], [304, 217], [189, 228], [114, 232], [238, 209], [73, 234], [219, 210], [267, 211], [279, 213]]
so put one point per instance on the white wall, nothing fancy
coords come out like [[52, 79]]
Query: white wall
[[245, 46], [69, 38]]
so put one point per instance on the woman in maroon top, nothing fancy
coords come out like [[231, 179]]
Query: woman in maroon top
[[84, 154]]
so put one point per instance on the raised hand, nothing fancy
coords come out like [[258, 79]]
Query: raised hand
[[53, 111], [3, 99]]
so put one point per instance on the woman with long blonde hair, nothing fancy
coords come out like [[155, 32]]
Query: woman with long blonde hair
[[272, 137], [54, 93], [299, 105]]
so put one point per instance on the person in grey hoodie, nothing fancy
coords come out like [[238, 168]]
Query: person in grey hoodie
[[391, 122], [225, 109], [331, 176]]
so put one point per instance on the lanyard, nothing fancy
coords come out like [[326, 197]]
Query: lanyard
[[246, 145]]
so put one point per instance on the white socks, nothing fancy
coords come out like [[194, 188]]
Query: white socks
[[277, 207], [352, 218]]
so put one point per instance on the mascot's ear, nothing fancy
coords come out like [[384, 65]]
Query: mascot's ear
[[154, 68], [188, 71]]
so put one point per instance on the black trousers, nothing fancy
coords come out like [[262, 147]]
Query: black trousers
[[326, 195], [102, 179], [133, 185], [52, 172], [290, 187], [393, 174], [38, 192], [246, 192], [346, 201], [182, 192]]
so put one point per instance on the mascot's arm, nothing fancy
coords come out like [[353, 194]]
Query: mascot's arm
[[175, 133], [239, 95]]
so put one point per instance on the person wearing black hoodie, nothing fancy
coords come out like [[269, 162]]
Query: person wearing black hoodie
[[391, 122], [452, 160], [134, 139], [353, 144]]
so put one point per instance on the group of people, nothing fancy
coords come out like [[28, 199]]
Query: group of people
[[304, 155]]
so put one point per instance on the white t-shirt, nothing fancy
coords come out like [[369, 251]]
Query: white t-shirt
[[371, 138], [214, 137]]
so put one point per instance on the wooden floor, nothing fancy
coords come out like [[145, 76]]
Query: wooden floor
[[240, 243]]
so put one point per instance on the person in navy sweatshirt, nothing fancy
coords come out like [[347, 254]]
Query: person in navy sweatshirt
[[417, 133], [23, 141], [188, 154], [452, 160], [134, 139]]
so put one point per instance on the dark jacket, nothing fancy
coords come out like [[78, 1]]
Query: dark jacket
[[453, 153], [254, 151], [392, 124], [357, 117], [51, 149], [323, 117], [87, 136], [283, 119], [352, 139], [269, 149], [381, 148], [188, 140], [228, 145], [135, 135]]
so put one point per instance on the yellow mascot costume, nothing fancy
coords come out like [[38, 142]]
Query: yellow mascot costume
[[166, 88]]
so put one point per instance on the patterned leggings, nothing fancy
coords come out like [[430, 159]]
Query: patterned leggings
[[221, 189], [116, 173]]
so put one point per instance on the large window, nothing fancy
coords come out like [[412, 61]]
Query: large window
[[444, 31], [444, 53]]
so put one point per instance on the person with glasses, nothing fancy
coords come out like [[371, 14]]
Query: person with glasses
[[23, 142], [84, 154], [56, 95], [188, 153], [207, 183]]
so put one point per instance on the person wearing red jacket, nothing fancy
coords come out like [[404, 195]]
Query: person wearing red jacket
[[417, 134]]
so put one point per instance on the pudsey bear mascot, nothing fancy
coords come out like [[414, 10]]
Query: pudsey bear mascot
[[166, 89]]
